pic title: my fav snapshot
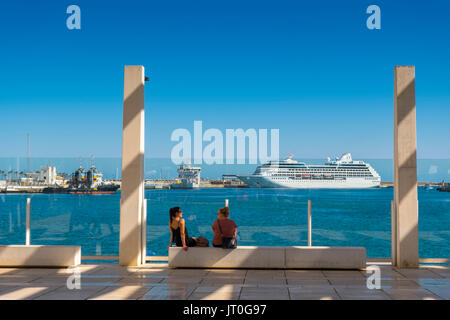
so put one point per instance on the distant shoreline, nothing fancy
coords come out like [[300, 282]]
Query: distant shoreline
[[165, 184]]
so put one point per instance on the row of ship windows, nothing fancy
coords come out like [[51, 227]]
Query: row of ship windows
[[354, 176], [336, 175], [317, 178], [344, 171], [310, 167]]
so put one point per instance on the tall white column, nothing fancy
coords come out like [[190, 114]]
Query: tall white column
[[406, 218], [131, 248]]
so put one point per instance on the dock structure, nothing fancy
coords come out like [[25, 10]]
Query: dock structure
[[231, 180]]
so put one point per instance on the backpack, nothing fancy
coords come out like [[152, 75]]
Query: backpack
[[201, 242]]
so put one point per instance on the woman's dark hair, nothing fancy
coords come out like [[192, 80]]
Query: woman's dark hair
[[173, 212], [225, 211]]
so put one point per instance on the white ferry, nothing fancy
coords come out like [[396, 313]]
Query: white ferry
[[188, 177], [342, 173]]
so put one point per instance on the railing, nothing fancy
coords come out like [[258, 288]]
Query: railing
[[264, 217], [309, 224], [27, 234], [116, 258]]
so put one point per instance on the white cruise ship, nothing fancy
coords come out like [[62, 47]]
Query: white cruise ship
[[343, 173]]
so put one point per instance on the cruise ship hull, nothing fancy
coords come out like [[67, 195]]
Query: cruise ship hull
[[255, 181]]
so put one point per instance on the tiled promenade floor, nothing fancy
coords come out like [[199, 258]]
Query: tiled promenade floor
[[157, 281]]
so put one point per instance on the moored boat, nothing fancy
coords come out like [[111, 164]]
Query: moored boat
[[85, 182]]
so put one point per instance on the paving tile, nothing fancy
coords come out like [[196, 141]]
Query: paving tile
[[309, 282], [221, 281], [312, 289], [267, 286], [170, 293], [86, 269], [418, 273], [188, 273], [398, 284], [348, 274], [140, 281], [189, 280], [98, 276], [441, 291], [261, 289], [8, 271], [75, 294], [267, 281], [214, 296], [226, 276], [227, 272], [17, 279], [7, 287], [265, 274], [411, 294], [224, 288], [128, 292], [111, 270], [260, 293], [304, 274], [313, 294], [361, 294], [348, 282], [153, 273], [100, 284], [25, 293], [433, 282], [443, 272], [386, 273], [257, 296], [42, 271]]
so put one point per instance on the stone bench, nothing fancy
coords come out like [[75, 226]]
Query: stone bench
[[253, 257], [39, 256]]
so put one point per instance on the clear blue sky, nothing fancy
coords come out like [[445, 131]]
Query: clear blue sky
[[309, 68]]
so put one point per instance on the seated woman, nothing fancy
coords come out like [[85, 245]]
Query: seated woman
[[178, 231], [225, 230]]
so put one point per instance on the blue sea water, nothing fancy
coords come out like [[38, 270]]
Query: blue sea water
[[268, 217]]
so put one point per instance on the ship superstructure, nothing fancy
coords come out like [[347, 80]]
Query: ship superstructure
[[188, 177], [341, 173]]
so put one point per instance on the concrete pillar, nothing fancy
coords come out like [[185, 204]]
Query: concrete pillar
[[406, 217], [393, 234], [132, 213]]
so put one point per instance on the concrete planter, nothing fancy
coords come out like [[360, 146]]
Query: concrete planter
[[39, 256]]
